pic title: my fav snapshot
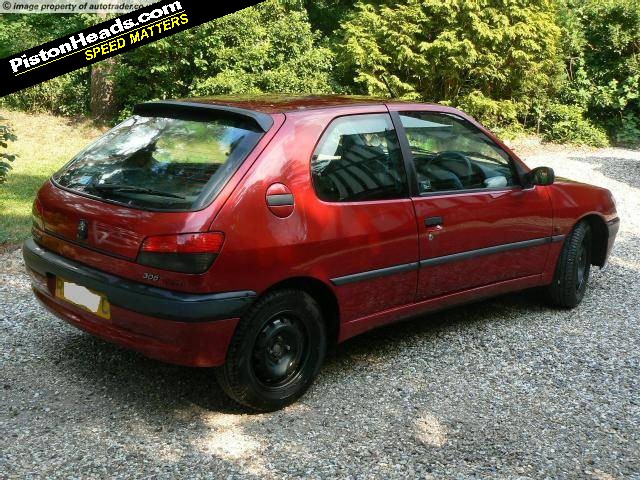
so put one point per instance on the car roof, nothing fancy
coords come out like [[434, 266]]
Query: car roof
[[271, 104]]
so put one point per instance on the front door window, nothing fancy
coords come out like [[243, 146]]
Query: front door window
[[451, 154]]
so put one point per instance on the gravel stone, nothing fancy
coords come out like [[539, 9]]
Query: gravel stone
[[505, 388]]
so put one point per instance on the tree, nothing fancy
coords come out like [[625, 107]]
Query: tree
[[6, 136], [564, 68], [103, 103], [601, 52], [494, 57], [327, 15], [267, 48], [65, 95], [607, 55]]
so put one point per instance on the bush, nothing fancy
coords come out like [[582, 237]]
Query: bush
[[629, 131], [498, 115], [567, 123], [601, 50], [6, 136], [66, 95], [266, 48], [492, 57], [566, 68]]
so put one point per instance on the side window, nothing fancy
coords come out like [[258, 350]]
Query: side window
[[359, 159], [451, 154]]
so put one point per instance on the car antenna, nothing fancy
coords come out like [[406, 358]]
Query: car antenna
[[392, 92]]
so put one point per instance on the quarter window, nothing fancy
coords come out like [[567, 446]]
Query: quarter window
[[451, 154], [359, 159]]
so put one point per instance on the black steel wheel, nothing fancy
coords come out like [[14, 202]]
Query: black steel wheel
[[573, 268], [280, 350], [276, 352], [582, 266]]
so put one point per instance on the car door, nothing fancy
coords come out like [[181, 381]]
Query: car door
[[368, 230], [477, 224]]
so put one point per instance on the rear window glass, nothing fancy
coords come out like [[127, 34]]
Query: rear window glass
[[161, 163]]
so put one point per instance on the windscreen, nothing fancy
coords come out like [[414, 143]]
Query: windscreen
[[158, 163]]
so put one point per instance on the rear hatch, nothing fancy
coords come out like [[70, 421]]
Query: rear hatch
[[154, 174]]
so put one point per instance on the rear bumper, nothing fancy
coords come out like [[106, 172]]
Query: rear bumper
[[138, 297], [175, 327]]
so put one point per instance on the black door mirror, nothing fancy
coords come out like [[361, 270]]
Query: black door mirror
[[540, 176]]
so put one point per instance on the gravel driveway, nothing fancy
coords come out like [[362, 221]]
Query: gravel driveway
[[506, 388]]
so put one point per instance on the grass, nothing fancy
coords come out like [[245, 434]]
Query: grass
[[44, 144]]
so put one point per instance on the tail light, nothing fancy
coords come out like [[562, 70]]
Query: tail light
[[36, 217], [185, 253]]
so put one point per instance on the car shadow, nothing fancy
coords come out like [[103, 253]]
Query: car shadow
[[178, 406], [430, 326], [158, 389]]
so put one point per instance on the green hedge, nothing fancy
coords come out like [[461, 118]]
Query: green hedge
[[568, 69]]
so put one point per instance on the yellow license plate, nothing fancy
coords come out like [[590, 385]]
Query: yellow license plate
[[82, 297]]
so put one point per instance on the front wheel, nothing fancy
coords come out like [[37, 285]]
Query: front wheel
[[572, 271], [276, 352]]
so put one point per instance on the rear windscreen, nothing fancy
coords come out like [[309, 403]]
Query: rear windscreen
[[160, 163]]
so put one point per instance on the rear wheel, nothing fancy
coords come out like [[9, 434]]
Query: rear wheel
[[276, 352], [572, 272]]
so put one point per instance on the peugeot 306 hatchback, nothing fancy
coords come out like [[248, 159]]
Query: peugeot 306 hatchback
[[249, 234]]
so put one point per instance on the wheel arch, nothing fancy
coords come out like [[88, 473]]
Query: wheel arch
[[321, 293], [599, 237]]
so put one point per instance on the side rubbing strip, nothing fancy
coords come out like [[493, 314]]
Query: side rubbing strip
[[382, 272], [430, 262], [280, 200]]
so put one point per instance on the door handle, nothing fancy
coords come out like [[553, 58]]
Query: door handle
[[433, 222]]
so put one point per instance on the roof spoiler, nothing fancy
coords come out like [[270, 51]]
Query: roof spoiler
[[200, 111]]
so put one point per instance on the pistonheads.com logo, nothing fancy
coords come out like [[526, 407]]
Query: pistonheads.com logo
[[108, 40], [115, 35]]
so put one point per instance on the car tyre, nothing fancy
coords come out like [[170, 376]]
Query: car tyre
[[572, 271], [276, 352]]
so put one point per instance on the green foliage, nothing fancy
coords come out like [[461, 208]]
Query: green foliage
[[66, 95], [602, 56], [498, 114], [267, 48], [19, 32], [612, 58], [568, 69], [6, 136], [327, 15], [486, 54], [566, 123], [629, 132]]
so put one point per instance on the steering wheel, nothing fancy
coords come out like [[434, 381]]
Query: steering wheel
[[453, 154]]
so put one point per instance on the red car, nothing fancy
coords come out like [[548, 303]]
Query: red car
[[249, 234]]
